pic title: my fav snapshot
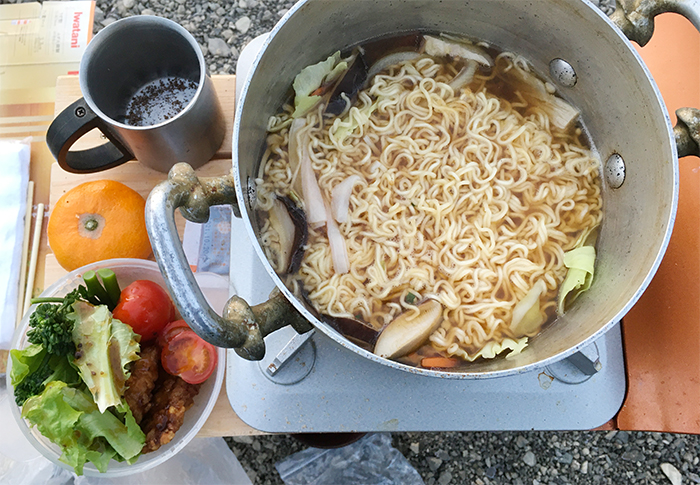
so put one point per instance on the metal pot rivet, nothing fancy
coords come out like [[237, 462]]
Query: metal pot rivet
[[615, 171], [252, 191], [563, 73]]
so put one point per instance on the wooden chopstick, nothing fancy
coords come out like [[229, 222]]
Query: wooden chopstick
[[25, 251], [35, 255]]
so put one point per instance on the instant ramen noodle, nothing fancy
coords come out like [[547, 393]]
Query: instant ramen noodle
[[439, 194]]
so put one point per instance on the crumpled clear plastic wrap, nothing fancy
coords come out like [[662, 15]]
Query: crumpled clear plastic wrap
[[203, 460], [369, 461]]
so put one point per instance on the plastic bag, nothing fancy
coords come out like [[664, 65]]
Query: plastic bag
[[369, 461], [13, 444], [33, 471], [203, 460]]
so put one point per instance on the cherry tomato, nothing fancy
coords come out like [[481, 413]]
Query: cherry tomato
[[146, 307], [170, 330], [189, 356]]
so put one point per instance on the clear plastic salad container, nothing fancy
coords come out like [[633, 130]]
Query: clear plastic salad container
[[127, 271]]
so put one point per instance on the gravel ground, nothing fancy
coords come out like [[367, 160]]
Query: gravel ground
[[518, 458], [222, 29]]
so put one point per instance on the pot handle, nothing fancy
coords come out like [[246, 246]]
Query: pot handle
[[242, 327], [636, 17], [636, 20]]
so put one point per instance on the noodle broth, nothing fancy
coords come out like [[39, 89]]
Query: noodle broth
[[470, 196]]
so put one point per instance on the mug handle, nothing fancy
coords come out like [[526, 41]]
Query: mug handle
[[241, 327], [72, 123]]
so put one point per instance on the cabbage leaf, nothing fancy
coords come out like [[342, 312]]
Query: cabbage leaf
[[313, 77], [356, 118], [527, 317], [581, 263], [493, 348]]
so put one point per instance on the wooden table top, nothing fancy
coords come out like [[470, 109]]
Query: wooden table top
[[223, 420], [661, 333]]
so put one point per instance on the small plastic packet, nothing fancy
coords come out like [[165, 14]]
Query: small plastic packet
[[369, 461]]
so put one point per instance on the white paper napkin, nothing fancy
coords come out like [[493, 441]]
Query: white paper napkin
[[14, 177]]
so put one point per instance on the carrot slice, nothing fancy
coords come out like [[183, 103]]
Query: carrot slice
[[440, 362], [320, 91]]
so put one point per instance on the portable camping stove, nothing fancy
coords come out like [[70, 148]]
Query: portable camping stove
[[309, 383]]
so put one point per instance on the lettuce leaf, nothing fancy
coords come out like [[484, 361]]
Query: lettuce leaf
[[124, 343], [69, 418], [54, 417], [304, 104], [56, 420], [126, 438], [33, 367], [101, 456], [25, 362], [581, 263], [104, 347], [62, 370]]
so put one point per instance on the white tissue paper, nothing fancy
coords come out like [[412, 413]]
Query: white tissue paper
[[14, 166]]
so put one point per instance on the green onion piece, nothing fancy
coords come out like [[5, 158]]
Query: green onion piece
[[109, 280], [95, 288], [410, 298]]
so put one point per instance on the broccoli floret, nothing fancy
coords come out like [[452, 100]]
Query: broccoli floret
[[51, 327]]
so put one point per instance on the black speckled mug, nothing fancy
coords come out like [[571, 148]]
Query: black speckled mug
[[145, 87]]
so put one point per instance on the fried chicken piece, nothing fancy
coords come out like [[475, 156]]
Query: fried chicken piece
[[169, 403], [142, 381]]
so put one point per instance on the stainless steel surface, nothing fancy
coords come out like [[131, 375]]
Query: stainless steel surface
[[345, 393], [134, 51], [577, 368], [289, 350], [614, 171], [563, 73], [294, 356], [587, 360], [241, 326], [627, 116]]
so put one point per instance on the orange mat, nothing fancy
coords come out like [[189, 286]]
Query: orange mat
[[662, 332]]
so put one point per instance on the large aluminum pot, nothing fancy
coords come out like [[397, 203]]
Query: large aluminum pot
[[621, 107]]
